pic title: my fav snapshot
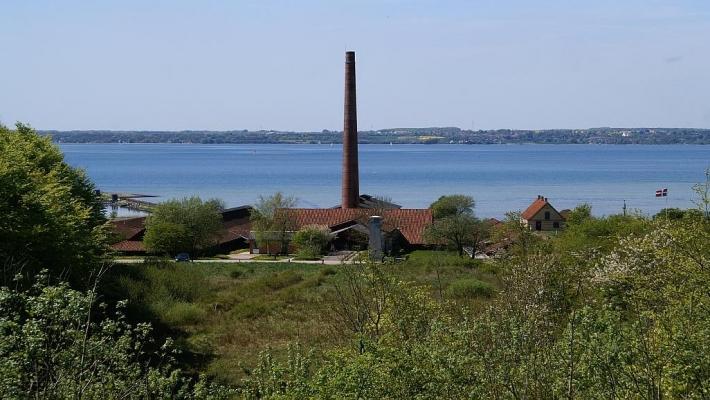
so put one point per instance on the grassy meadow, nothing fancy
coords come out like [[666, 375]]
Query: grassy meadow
[[223, 314]]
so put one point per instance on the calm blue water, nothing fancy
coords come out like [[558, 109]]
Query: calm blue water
[[500, 177]]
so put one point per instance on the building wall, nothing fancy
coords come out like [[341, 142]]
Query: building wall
[[547, 225]]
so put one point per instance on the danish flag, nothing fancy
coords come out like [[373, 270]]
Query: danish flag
[[662, 192]]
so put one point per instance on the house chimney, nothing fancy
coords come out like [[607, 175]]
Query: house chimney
[[375, 240], [351, 180]]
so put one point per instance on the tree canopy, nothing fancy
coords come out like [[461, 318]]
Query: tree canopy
[[272, 222], [51, 217], [455, 224], [185, 225], [451, 205]]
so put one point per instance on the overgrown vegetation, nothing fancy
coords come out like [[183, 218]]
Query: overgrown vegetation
[[226, 314], [625, 321], [56, 340]]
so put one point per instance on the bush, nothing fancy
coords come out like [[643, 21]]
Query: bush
[[182, 313], [51, 350], [311, 242], [469, 288], [188, 225]]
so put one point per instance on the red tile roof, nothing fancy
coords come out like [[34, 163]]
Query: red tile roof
[[535, 208], [129, 246], [128, 228], [410, 222]]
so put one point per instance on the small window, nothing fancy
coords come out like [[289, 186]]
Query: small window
[[547, 215], [556, 225]]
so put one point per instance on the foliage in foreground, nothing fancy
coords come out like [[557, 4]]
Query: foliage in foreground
[[56, 344], [631, 323], [50, 216]]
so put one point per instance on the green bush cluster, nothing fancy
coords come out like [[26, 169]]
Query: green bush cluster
[[167, 291], [469, 288], [311, 242]]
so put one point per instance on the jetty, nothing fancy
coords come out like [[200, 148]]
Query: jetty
[[131, 201]]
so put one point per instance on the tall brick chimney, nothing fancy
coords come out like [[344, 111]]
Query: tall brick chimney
[[351, 179]]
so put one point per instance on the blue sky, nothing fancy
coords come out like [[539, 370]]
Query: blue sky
[[217, 65]]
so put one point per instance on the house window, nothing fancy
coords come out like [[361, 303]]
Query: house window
[[547, 215], [556, 225], [538, 225]]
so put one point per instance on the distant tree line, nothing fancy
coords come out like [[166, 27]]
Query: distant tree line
[[399, 136]]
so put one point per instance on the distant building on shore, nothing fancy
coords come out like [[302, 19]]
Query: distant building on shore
[[542, 216]]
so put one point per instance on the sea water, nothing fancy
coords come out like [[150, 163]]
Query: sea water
[[500, 178]]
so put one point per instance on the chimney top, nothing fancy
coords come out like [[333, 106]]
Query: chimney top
[[349, 57]]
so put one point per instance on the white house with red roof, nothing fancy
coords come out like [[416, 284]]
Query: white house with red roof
[[542, 216]]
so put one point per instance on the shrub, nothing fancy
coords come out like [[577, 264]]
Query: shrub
[[311, 241], [182, 313], [51, 350], [469, 288], [187, 225]]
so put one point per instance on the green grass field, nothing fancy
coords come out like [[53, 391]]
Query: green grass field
[[225, 314]]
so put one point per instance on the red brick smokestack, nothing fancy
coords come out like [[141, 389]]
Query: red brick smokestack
[[351, 179]]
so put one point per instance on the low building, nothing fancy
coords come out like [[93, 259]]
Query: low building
[[129, 232], [128, 235], [402, 229], [542, 216]]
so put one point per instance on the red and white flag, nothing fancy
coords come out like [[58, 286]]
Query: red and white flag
[[662, 192]]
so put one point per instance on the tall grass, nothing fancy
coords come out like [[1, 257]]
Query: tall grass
[[228, 313], [469, 288]]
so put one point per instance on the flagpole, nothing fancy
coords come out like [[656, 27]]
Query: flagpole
[[666, 196]]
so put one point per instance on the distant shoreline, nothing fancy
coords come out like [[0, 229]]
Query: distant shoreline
[[650, 136]]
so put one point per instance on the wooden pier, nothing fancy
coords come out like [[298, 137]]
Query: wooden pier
[[130, 201]]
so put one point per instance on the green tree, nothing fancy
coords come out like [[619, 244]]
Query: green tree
[[51, 217], [451, 205], [455, 224], [185, 225], [581, 213], [272, 222], [311, 241]]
